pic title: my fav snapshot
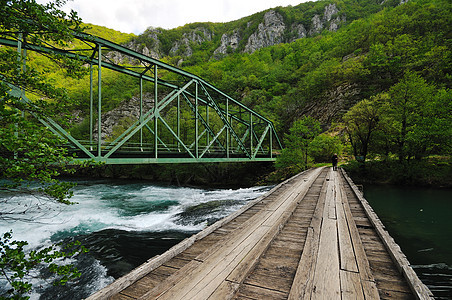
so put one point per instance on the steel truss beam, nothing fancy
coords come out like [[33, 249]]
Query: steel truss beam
[[233, 133]]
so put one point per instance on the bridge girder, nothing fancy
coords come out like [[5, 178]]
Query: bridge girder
[[208, 126]]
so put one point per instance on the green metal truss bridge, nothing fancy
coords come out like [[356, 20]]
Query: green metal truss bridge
[[181, 119]]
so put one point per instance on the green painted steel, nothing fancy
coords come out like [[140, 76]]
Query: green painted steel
[[206, 126]]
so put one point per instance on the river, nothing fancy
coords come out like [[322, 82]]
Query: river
[[124, 223], [420, 221]]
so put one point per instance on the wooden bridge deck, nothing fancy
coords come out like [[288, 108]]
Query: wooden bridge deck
[[311, 237]]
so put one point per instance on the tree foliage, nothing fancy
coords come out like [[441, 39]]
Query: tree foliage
[[31, 157], [361, 121], [28, 150], [19, 266], [411, 120], [297, 143]]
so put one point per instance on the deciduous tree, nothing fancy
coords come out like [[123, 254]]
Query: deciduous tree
[[29, 153]]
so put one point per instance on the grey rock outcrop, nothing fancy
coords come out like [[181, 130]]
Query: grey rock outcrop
[[150, 48], [334, 102], [197, 36], [327, 20], [121, 117], [299, 32], [269, 32], [316, 25], [228, 42]]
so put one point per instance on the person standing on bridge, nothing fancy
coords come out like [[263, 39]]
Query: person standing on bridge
[[334, 160]]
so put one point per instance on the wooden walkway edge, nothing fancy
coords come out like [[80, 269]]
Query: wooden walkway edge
[[128, 279], [313, 236], [420, 290]]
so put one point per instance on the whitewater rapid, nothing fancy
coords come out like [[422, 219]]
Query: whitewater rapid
[[108, 213]]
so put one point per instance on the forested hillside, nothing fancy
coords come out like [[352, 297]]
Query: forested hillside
[[376, 74], [324, 75]]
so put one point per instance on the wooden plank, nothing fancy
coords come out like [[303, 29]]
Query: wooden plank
[[143, 285], [420, 290], [154, 292], [225, 291], [346, 251], [280, 284], [276, 251], [393, 295], [287, 245], [326, 284], [351, 287], [128, 279], [367, 279], [120, 297], [259, 293], [176, 263], [164, 270], [304, 275], [330, 200]]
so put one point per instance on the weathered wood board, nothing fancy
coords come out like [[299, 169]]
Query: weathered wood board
[[311, 237]]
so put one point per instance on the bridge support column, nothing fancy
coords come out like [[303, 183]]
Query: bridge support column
[[99, 103], [91, 105], [271, 144], [207, 120], [155, 112], [251, 132], [141, 112], [178, 122], [227, 129], [196, 121]]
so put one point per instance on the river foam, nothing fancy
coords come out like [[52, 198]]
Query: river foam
[[110, 213]]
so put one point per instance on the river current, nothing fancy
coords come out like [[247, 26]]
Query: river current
[[420, 221], [122, 223]]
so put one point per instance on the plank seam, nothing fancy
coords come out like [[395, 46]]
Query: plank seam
[[419, 289], [142, 270]]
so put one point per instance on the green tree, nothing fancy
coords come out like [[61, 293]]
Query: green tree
[[297, 143], [323, 146], [361, 121], [30, 154], [18, 266], [420, 117], [27, 150]]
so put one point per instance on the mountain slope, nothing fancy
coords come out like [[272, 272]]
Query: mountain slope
[[263, 29], [321, 75], [325, 75]]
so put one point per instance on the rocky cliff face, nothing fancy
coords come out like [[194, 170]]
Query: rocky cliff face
[[151, 48], [270, 32], [197, 37], [228, 43], [123, 116], [272, 29]]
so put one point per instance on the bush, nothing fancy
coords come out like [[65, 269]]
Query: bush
[[434, 172], [322, 148]]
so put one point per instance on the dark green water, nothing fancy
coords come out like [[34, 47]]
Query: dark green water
[[420, 221]]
